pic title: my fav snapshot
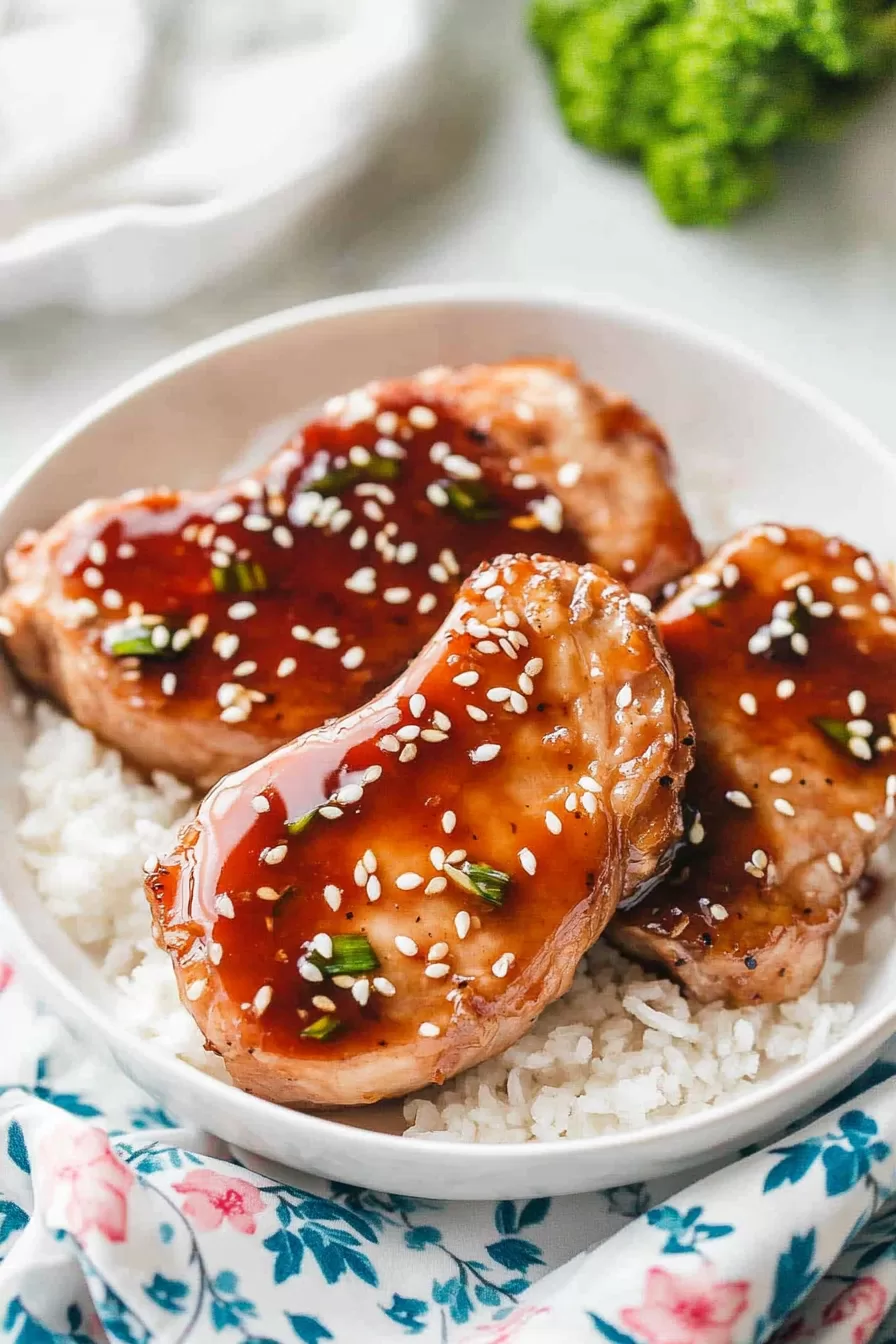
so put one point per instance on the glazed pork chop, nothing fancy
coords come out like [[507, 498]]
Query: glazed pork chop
[[784, 645], [395, 897], [197, 631]]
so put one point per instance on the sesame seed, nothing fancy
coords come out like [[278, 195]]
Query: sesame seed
[[590, 785], [92, 577], [624, 696], [503, 965], [641, 602], [368, 861], [760, 858], [436, 970], [224, 907], [775, 534], [477, 714], [406, 946], [466, 679], [386, 422], [865, 822], [233, 714], [300, 632], [844, 583], [343, 981], [782, 775], [323, 1004], [322, 943], [327, 637], [553, 823], [361, 991], [857, 702], [112, 599], [486, 752], [747, 702], [417, 705], [286, 667], [331, 813], [422, 417], [800, 644], [435, 885], [449, 821], [730, 575], [408, 732], [784, 807], [350, 793], [498, 694], [462, 924], [246, 668], [533, 667], [859, 748], [180, 639], [738, 798], [275, 855], [891, 786], [785, 689], [527, 859], [571, 803], [437, 952], [589, 802], [241, 611], [169, 683], [437, 857], [428, 1029], [160, 637], [433, 735], [851, 612], [718, 912], [374, 888], [408, 881], [407, 753], [568, 474], [383, 986], [353, 657], [835, 863], [880, 602], [388, 742], [308, 971], [196, 989], [760, 642], [437, 495], [362, 581], [427, 603], [697, 833], [333, 896]]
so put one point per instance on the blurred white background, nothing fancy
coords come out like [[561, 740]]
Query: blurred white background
[[474, 179]]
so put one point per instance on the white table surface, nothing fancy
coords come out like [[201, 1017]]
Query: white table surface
[[486, 187]]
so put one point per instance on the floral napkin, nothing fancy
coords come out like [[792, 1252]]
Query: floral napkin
[[117, 1225]]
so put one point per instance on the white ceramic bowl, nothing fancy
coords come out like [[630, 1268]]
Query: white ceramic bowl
[[741, 431]]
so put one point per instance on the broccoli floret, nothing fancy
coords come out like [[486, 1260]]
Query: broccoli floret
[[701, 91]]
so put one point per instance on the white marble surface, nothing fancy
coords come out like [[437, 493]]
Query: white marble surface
[[486, 186]]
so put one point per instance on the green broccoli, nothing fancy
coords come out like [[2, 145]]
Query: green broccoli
[[700, 92]]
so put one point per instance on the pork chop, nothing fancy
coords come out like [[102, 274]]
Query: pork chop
[[784, 646], [395, 897], [197, 631]]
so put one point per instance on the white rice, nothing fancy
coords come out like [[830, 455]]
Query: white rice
[[623, 1048]]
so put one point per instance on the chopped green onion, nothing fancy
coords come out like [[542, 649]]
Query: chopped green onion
[[323, 1028], [480, 880], [471, 501], [352, 954], [133, 638], [246, 576], [302, 823], [835, 729], [335, 481]]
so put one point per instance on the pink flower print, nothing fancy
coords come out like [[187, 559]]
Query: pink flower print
[[692, 1309], [508, 1330], [211, 1198], [865, 1302], [87, 1181], [6, 973]]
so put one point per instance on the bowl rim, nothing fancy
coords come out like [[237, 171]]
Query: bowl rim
[[207, 1089]]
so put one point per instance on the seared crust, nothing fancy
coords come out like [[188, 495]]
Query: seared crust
[[539, 733], [793, 709], [357, 548]]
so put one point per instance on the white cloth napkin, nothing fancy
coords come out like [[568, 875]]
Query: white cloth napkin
[[116, 1225], [130, 130]]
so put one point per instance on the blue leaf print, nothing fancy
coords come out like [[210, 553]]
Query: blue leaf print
[[609, 1331], [68, 1101], [150, 1117], [666, 1218], [797, 1161], [166, 1233], [794, 1276], [535, 1211], [453, 1295], [859, 1126], [408, 1312], [226, 1282], [842, 1167], [288, 1251], [15, 1147], [359, 1264], [505, 1217], [685, 1231], [487, 1295], [309, 1329], [116, 1317], [30, 1331], [515, 1253], [515, 1286], [169, 1294], [418, 1238], [12, 1219]]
